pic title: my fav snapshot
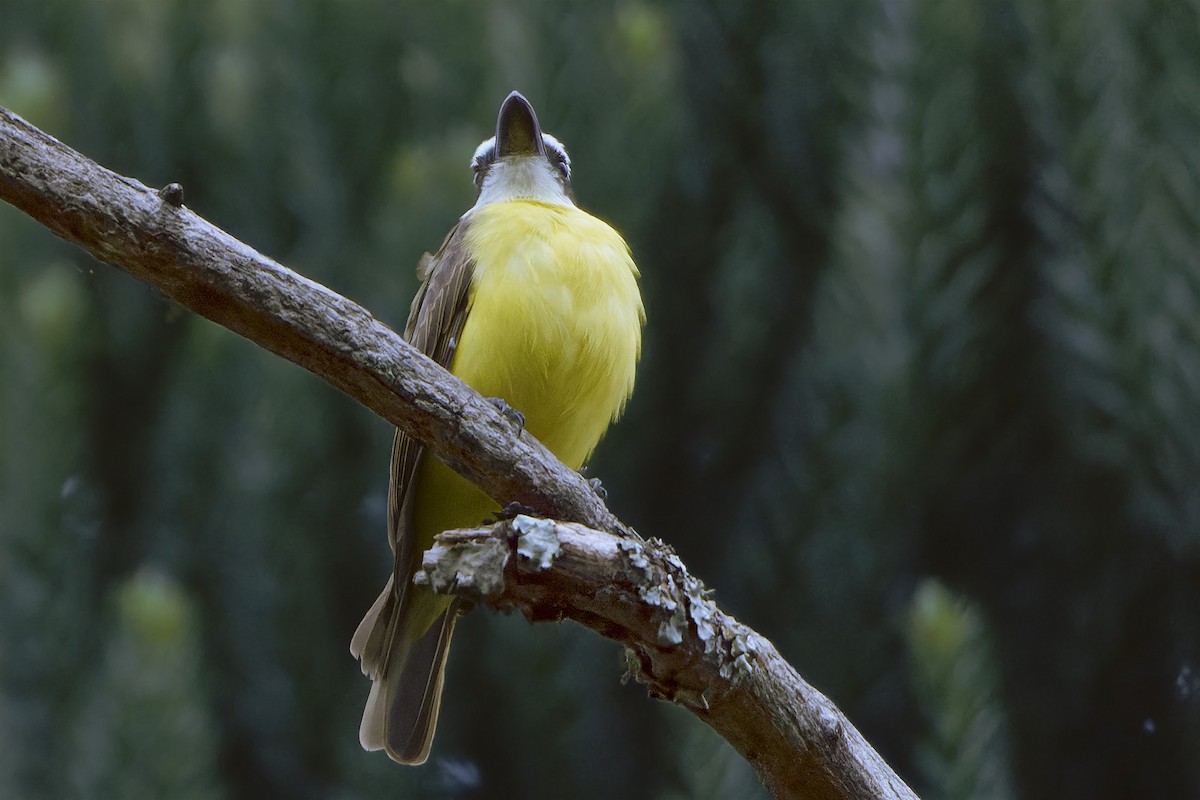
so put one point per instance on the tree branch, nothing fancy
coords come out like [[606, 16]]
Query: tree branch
[[635, 592], [144, 233], [684, 648]]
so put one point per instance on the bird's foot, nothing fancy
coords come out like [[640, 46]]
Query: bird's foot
[[598, 488], [508, 412], [511, 511], [595, 483]]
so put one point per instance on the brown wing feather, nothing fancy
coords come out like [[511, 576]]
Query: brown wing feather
[[406, 683], [435, 323]]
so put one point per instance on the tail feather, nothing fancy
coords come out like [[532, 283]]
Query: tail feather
[[406, 681], [415, 695], [369, 643]]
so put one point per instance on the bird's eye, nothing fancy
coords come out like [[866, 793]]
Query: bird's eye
[[560, 161], [557, 154], [484, 156]]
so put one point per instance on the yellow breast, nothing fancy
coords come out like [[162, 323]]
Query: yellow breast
[[555, 321], [554, 329]]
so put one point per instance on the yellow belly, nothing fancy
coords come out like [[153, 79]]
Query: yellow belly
[[554, 329]]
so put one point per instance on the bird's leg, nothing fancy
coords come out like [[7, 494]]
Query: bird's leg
[[595, 483], [508, 412]]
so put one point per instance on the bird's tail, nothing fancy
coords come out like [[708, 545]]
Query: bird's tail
[[406, 668]]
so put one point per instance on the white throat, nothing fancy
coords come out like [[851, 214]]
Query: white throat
[[522, 178]]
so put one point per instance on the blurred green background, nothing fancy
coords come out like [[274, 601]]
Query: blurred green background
[[920, 396]]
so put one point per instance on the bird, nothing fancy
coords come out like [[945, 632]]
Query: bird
[[534, 303]]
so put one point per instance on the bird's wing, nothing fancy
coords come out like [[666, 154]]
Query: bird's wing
[[435, 323]]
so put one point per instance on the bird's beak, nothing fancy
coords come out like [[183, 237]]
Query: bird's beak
[[517, 130]]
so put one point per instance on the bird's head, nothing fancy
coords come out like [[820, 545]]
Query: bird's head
[[521, 162]]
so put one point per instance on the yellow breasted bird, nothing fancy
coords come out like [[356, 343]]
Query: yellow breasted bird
[[529, 300]]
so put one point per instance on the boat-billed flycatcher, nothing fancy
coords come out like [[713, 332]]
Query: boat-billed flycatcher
[[529, 300]]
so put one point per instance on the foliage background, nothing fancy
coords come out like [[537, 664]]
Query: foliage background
[[919, 398]]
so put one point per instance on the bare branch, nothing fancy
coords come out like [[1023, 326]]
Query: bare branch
[[637, 593], [684, 648]]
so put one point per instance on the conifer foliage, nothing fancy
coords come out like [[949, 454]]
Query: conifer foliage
[[920, 396]]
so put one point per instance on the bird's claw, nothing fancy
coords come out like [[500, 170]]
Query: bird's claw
[[508, 412], [598, 488]]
